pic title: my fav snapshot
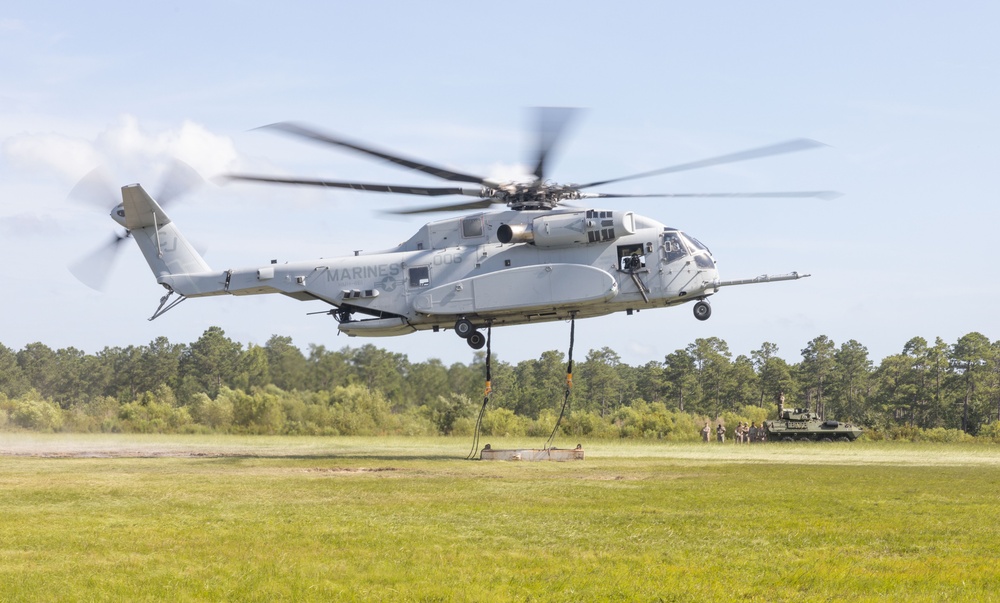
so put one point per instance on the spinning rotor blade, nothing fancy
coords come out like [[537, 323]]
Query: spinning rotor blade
[[359, 186], [552, 121], [180, 180], [791, 146], [93, 269], [95, 189], [825, 195], [481, 204], [306, 132]]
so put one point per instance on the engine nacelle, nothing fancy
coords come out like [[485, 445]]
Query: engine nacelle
[[568, 229], [581, 227], [514, 233]]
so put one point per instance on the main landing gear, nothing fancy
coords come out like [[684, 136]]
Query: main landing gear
[[467, 331]]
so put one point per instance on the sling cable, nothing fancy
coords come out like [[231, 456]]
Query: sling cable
[[569, 381], [486, 393]]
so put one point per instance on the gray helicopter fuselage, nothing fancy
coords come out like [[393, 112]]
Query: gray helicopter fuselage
[[560, 263], [556, 264]]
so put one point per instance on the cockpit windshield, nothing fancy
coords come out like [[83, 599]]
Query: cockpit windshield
[[677, 245], [696, 244]]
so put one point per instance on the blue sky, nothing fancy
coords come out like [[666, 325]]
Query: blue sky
[[905, 94]]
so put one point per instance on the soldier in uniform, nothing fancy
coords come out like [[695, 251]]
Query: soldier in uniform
[[706, 432], [720, 433], [753, 432]]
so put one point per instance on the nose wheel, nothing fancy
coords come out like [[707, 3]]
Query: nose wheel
[[702, 310]]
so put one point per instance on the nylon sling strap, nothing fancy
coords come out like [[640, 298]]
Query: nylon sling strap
[[569, 381], [486, 393]]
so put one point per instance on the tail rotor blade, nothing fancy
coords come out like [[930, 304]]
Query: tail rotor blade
[[95, 189], [93, 269], [180, 180]]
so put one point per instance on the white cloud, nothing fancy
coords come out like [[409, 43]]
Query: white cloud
[[126, 148], [127, 143], [68, 157]]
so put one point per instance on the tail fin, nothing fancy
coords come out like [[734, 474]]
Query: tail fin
[[167, 252]]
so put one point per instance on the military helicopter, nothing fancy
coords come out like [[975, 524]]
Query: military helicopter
[[538, 259]]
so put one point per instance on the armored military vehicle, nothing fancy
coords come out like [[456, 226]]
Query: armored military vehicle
[[801, 425]]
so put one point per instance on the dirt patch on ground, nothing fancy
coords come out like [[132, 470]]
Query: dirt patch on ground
[[348, 470]]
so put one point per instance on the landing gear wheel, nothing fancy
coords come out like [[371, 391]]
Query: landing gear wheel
[[702, 310], [464, 328], [476, 340]]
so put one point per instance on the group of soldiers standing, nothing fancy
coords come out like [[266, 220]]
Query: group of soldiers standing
[[748, 434], [743, 434]]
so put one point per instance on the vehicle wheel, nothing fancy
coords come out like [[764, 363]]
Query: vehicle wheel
[[464, 328], [702, 310], [476, 340], [843, 439], [787, 439], [826, 440]]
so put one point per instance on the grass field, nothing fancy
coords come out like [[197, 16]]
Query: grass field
[[130, 518]]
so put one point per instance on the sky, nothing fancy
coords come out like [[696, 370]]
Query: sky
[[905, 94]]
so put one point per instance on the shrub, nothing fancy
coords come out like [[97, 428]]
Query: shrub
[[215, 414], [587, 423], [991, 432], [34, 413], [503, 422]]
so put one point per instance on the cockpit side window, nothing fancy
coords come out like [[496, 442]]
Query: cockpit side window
[[673, 246]]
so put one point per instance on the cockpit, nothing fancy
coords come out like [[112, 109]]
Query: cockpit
[[677, 246]]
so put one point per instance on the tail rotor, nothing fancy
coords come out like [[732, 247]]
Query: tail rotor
[[95, 189]]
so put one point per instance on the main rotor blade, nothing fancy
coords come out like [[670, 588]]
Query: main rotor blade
[[791, 146], [552, 121], [427, 191], [824, 195], [93, 269], [481, 204], [307, 132]]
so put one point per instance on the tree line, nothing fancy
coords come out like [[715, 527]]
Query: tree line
[[928, 390]]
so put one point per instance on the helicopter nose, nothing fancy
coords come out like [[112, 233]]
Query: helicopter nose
[[118, 214]]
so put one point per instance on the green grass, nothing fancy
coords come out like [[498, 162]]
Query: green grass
[[130, 518]]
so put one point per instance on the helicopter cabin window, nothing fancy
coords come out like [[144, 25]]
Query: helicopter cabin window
[[420, 277], [631, 257], [472, 227]]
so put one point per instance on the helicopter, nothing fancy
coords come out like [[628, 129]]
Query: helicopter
[[540, 258]]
